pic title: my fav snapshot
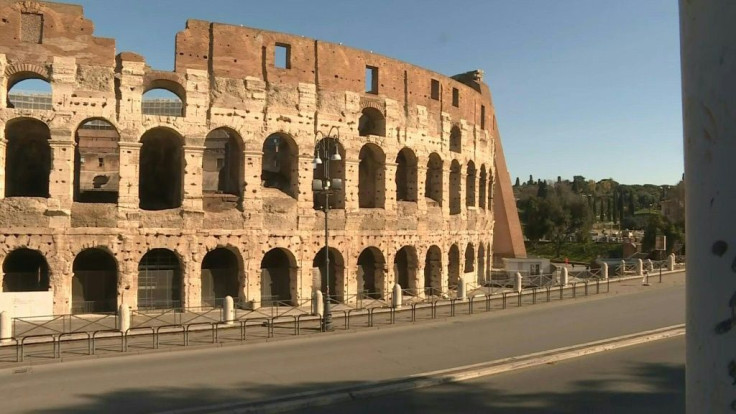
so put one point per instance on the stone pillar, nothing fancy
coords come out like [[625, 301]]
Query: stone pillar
[[6, 326], [445, 189], [191, 295], [228, 310], [352, 201], [671, 262], [318, 303], [396, 297], [421, 186], [192, 200], [708, 56], [463, 179], [418, 275], [130, 154], [604, 271], [639, 267], [123, 318], [3, 149], [564, 277], [461, 290], [306, 173], [61, 178], [518, 283], [253, 282], [252, 197], [390, 187]]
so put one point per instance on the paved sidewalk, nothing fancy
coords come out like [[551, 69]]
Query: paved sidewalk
[[204, 335]]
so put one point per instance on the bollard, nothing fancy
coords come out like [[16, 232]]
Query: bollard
[[639, 267], [396, 299], [564, 277], [518, 282], [671, 262], [6, 327], [123, 318], [461, 291], [318, 304], [622, 269], [650, 265], [228, 310], [604, 271]]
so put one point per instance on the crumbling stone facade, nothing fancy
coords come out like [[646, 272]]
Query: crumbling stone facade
[[106, 201]]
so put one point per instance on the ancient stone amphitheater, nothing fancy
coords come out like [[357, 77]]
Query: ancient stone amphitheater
[[159, 189]]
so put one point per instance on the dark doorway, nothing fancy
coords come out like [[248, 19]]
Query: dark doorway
[[27, 158], [96, 162], [433, 271], [161, 170], [280, 164], [406, 176], [453, 267], [94, 284], [371, 273], [222, 170], [278, 268], [159, 280], [219, 277], [336, 275], [25, 270], [405, 266], [433, 183]]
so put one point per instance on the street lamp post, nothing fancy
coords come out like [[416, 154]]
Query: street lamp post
[[329, 151]]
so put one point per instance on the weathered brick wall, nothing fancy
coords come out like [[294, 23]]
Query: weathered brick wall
[[226, 77]]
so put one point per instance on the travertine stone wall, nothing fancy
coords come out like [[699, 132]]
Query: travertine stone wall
[[226, 77]]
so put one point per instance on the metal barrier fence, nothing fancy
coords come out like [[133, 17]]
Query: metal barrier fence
[[151, 329]]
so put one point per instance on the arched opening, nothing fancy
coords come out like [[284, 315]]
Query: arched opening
[[453, 267], [455, 172], [470, 185], [278, 278], [161, 170], [331, 155], [371, 177], [481, 264], [159, 280], [469, 259], [96, 162], [336, 274], [95, 281], [406, 176], [405, 268], [455, 139], [482, 183], [491, 183], [28, 90], [163, 100], [433, 271], [27, 158], [371, 273], [280, 164], [220, 277], [25, 270], [222, 170], [371, 122], [433, 183]]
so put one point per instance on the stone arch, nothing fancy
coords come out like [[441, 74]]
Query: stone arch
[[453, 267], [455, 139], [94, 281], [406, 175], [433, 183], [469, 259], [433, 271], [159, 280], [330, 283], [371, 177], [96, 162], [326, 151], [25, 71], [25, 270], [470, 184], [455, 172], [165, 97], [405, 268], [222, 169], [220, 274], [481, 264], [371, 273], [482, 184], [278, 277], [371, 122], [161, 169], [27, 158], [280, 164]]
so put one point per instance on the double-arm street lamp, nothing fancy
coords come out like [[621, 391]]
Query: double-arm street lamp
[[327, 148]]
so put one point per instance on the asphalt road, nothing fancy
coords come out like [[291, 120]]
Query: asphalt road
[[160, 382], [642, 379]]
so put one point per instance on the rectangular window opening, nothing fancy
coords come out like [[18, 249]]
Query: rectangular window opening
[[455, 97], [282, 56], [101, 162], [371, 79], [482, 117], [31, 27], [435, 90]]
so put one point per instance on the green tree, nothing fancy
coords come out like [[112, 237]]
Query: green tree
[[569, 217]]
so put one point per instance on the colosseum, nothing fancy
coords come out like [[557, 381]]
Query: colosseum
[[174, 189]]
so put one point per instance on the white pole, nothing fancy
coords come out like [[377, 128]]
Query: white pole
[[708, 53], [123, 318], [6, 327], [228, 310], [397, 297]]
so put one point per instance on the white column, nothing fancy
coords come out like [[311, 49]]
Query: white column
[[707, 34]]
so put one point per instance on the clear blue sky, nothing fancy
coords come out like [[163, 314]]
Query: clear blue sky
[[581, 87]]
